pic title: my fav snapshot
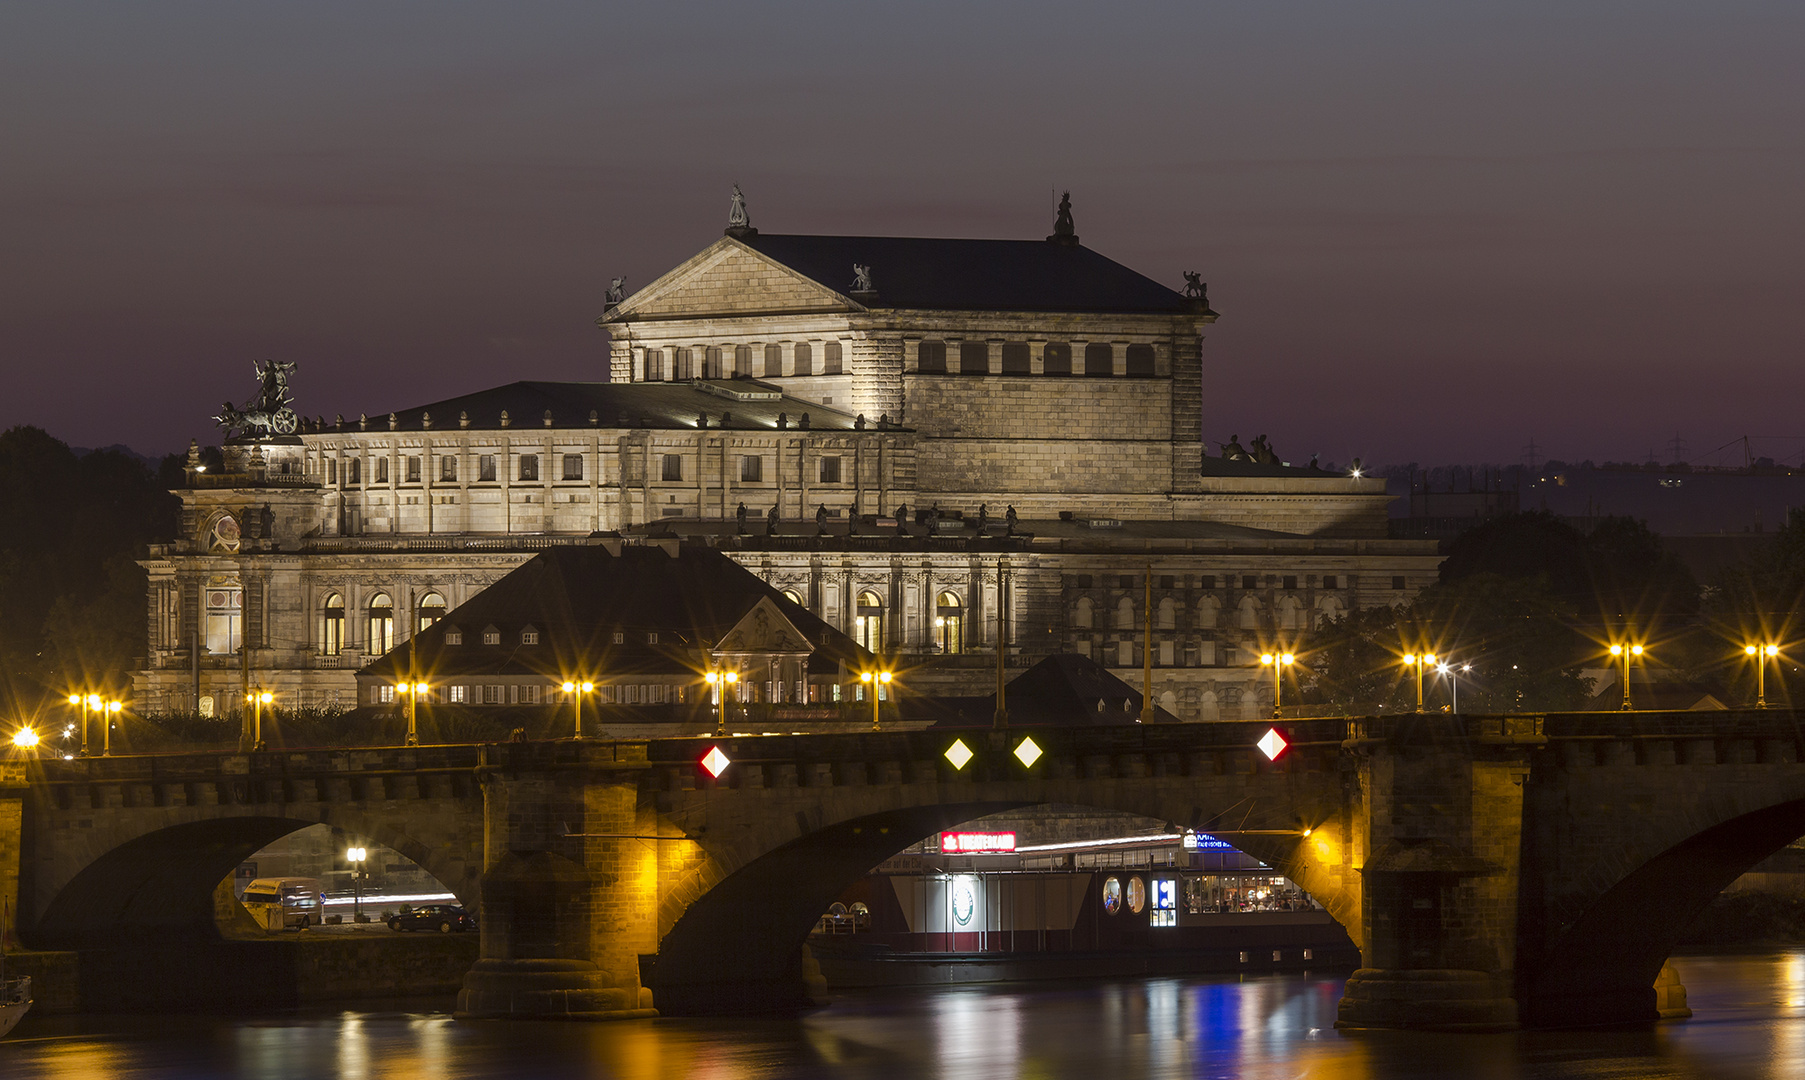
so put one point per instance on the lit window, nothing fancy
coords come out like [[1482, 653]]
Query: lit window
[[431, 609], [1112, 895], [491, 636], [752, 469], [1165, 903], [385, 694], [868, 624], [332, 626], [457, 695]]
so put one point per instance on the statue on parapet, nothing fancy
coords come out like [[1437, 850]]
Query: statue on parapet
[[617, 291], [1010, 518], [1195, 287], [1262, 451], [821, 518], [268, 413], [1232, 450], [861, 279], [739, 520], [771, 522]]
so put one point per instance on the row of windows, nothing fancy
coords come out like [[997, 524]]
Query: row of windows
[[379, 624], [749, 692], [1249, 582], [973, 358], [448, 468], [685, 364], [752, 469]]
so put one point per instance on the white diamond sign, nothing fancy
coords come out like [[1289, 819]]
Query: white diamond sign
[[1028, 752], [958, 753], [1272, 744], [715, 762]]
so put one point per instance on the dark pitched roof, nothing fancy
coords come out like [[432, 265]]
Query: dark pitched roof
[[754, 405], [577, 598], [1061, 691], [974, 275]]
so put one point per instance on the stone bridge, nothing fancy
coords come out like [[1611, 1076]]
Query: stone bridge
[[1492, 870]]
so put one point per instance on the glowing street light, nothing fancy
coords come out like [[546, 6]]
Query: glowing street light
[[25, 738], [1762, 654], [412, 691], [1446, 671], [1417, 662], [1278, 662], [258, 699], [721, 681], [874, 679], [106, 733], [356, 856], [1626, 651], [576, 690]]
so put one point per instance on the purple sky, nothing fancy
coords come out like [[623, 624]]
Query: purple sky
[[1434, 230]]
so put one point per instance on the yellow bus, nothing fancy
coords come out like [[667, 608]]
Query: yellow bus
[[278, 903]]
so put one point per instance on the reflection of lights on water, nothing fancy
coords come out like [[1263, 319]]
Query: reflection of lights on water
[[980, 1034]]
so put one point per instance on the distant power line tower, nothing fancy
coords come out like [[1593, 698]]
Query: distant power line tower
[[1678, 447], [1531, 456]]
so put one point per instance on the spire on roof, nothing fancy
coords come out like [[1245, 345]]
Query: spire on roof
[[739, 223]]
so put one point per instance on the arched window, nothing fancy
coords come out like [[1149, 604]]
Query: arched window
[[381, 624], [1169, 702], [1140, 360], [793, 597], [654, 365], [1099, 359], [1207, 706], [949, 623], [225, 615], [1125, 613], [1288, 612], [1329, 608], [931, 357], [1084, 613], [830, 358], [1209, 613], [1249, 613], [773, 361], [868, 624], [1168, 614], [332, 625], [805, 359], [1057, 360], [431, 610]]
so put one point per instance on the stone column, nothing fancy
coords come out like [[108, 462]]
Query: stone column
[[1444, 801], [569, 897]]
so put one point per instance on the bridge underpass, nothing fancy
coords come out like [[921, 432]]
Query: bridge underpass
[[1492, 870]]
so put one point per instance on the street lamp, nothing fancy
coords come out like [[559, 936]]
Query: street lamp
[[356, 856], [25, 738], [106, 733], [413, 690], [1416, 661], [874, 679], [1278, 662], [720, 681], [1762, 654], [258, 699], [1626, 651], [577, 690], [1446, 670]]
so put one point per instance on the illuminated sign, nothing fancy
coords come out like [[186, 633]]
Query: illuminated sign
[[965, 900], [715, 762], [967, 843], [1196, 841]]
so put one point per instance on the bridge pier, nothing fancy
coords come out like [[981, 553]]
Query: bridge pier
[[569, 895], [1444, 801]]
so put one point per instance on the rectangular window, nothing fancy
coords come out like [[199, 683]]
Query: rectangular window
[[1081, 581], [532, 693], [491, 637], [752, 469], [413, 468], [1015, 358], [1126, 581], [1290, 581], [1399, 583], [830, 358], [1125, 653], [529, 466], [385, 694], [652, 638], [830, 470], [974, 358], [1099, 359], [332, 470], [1140, 360], [454, 637], [457, 695], [491, 695], [448, 469], [773, 361], [1166, 581], [619, 638], [1206, 581], [529, 637], [1250, 581], [382, 470], [573, 466], [673, 466], [485, 467], [1166, 654], [931, 357], [1328, 581], [805, 359]]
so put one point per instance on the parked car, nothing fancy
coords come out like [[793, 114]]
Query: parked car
[[441, 917]]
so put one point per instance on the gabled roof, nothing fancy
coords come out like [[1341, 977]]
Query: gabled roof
[[579, 598], [1063, 690], [754, 405], [972, 275]]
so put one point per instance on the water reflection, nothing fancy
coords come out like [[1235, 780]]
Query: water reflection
[[1751, 1023]]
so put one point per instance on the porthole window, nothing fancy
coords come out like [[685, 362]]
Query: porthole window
[[1137, 895], [1112, 895]]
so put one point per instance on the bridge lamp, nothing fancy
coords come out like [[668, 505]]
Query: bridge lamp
[[959, 754], [25, 738], [356, 856], [1416, 661], [1762, 654], [721, 681], [1625, 652], [576, 690], [106, 731], [875, 680], [1278, 662]]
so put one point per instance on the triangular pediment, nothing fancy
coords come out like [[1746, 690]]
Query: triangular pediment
[[729, 278], [764, 629]]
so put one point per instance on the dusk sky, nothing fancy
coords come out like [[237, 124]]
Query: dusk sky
[[1434, 231]]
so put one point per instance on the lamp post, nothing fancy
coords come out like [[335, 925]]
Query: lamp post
[[1625, 652], [1416, 662], [412, 690], [1278, 662], [355, 856], [1762, 654], [106, 733], [1446, 670], [720, 681], [258, 699], [874, 679], [577, 690]]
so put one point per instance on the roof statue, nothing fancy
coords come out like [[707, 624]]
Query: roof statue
[[771, 521], [739, 520], [268, 414], [1233, 451], [861, 279], [739, 223], [1262, 451], [1195, 287], [1011, 518], [1064, 232], [617, 291]]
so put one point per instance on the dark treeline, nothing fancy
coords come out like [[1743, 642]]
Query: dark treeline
[[72, 596], [1530, 602]]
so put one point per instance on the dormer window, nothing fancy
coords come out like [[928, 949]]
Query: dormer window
[[491, 636], [454, 636], [620, 638], [529, 636], [652, 638]]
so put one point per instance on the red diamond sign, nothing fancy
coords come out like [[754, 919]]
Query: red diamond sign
[[715, 762], [1272, 744]]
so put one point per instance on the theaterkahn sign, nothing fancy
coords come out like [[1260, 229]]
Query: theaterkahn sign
[[977, 843]]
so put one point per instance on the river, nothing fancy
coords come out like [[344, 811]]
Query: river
[[1750, 1023]]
